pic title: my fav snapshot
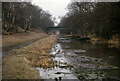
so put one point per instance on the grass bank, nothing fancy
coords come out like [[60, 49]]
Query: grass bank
[[21, 63], [10, 41], [111, 43]]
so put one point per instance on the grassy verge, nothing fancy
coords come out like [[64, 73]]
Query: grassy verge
[[21, 63], [20, 38]]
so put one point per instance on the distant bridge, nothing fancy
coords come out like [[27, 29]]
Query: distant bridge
[[55, 30], [57, 27]]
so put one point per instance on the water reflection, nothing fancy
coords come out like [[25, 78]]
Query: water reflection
[[82, 60], [61, 68], [92, 60]]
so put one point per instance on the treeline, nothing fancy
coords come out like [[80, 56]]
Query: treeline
[[24, 15], [101, 19]]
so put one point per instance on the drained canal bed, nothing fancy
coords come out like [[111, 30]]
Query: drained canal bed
[[80, 60]]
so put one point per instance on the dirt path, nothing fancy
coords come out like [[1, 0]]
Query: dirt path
[[8, 49]]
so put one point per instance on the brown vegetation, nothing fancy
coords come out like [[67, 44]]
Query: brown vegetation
[[19, 63], [113, 42], [19, 38]]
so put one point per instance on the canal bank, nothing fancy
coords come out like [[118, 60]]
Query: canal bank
[[114, 42], [21, 63]]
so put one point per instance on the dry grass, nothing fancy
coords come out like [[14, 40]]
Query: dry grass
[[20, 63], [19, 38], [113, 42], [15, 67]]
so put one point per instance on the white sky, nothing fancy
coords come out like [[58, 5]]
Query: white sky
[[55, 7]]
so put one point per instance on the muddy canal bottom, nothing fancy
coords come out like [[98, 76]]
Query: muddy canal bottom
[[82, 60]]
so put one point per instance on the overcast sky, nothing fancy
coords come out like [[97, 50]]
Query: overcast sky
[[55, 7]]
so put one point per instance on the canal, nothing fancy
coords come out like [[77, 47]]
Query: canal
[[82, 60]]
